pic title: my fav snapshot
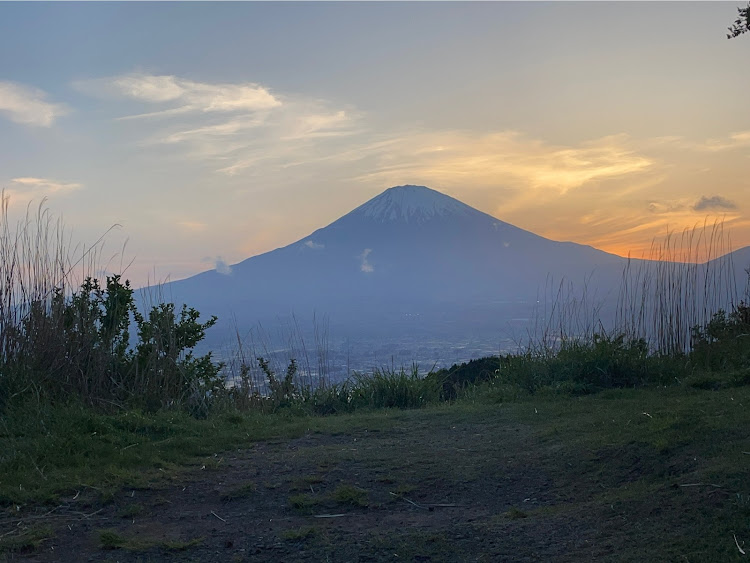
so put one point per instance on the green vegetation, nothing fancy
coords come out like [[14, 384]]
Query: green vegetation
[[243, 491], [111, 539], [63, 340], [350, 495], [299, 534]]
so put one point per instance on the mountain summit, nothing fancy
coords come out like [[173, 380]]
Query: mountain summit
[[411, 204]]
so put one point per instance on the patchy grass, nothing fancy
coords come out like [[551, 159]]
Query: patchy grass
[[513, 513], [243, 491], [111, 539], [304, 502], [131, 511], [181, 545], [634, 475], [350, 495], [299, 534], [67, 448], [25, 539]]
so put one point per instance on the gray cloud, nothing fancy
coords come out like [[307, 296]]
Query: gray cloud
[[314, 245], [714, 202]]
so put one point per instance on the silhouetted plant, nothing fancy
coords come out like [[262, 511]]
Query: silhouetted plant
[[724, 343], [741, 24], [282, 391]]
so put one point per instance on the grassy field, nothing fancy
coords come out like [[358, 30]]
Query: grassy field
[[657, 474]]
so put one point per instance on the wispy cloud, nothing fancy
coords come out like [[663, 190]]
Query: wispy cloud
[[713, 202], [365, 265], [507, 158], [233, 127], [314, 245], [25, 189], [663, 207], [192, 226], [46, 185], [28, 105], [179, 94], [732, 141]]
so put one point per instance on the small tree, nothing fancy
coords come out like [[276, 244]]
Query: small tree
[[165, 365]]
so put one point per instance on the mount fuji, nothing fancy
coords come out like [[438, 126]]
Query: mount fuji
[[410, 263]]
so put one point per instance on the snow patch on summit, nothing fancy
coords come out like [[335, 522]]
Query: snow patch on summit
[[412, 204]]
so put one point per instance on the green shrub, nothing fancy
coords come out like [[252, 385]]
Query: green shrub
[[458, 377], [581, 367], [724, 343], [78, 347]]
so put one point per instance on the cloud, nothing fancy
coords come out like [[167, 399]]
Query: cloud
[[181, 95], [365, 265], [234, 127], [27, 105], [193, 226], [736, 140], [26, 189], [214, 132], [732, 141], [664, 207], [714, 202], [508, 158], [45, 185], [314, 245], [222, 267]]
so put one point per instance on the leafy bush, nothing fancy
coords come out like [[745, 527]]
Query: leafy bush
[[62, 339], [724, 343], [79, 347]]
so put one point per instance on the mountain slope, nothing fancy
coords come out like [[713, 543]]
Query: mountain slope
[[409, 246]]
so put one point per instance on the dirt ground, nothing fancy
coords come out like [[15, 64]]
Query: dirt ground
[[428, 486]]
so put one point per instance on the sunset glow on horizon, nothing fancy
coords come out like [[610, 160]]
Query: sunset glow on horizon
[[214, 132]]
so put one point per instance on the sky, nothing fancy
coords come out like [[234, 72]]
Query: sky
[[211, 132]]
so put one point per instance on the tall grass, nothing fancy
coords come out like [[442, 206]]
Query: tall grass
[[37, 267], [311, 356], [683, 281], [64, 336]]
